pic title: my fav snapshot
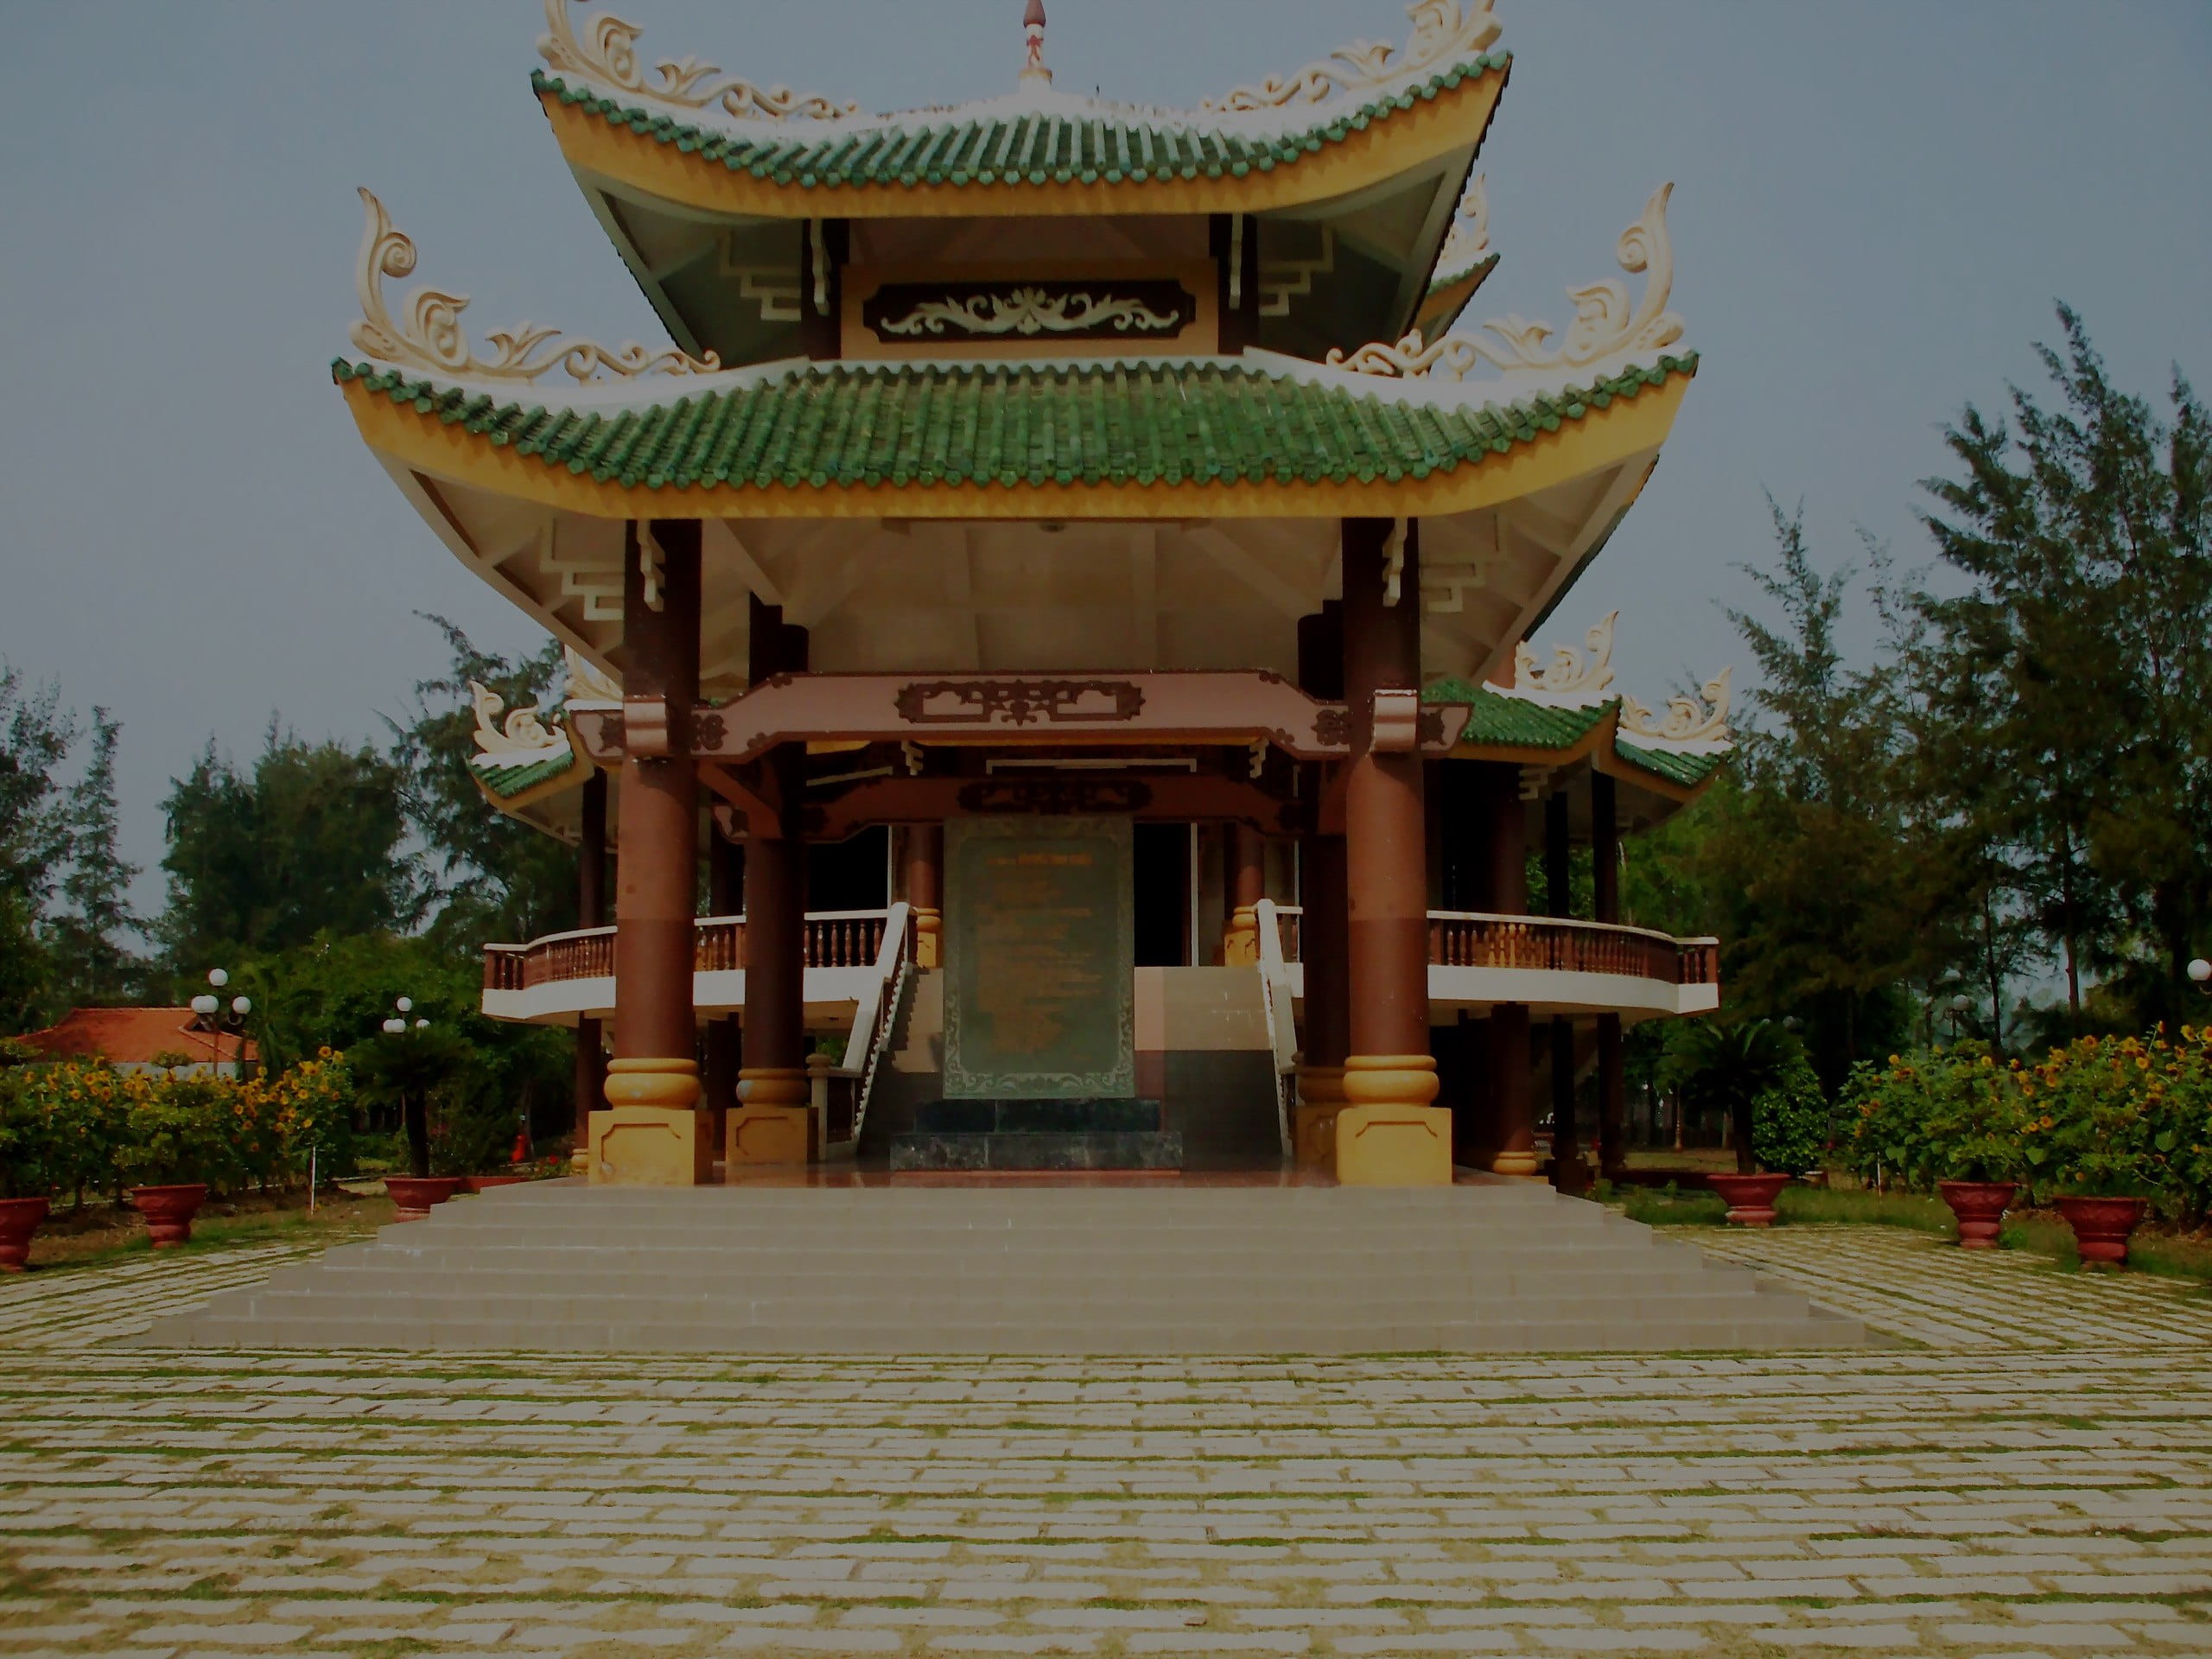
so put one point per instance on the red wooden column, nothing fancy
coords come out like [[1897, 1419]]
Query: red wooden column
[[773, 1122], [925, 892], [1568, 1173], [1390, 1134], [1512, 1109], [725, 1036], [1247, 884], [1321, 927], [650, 1135], [1612, 1070], [591, 912]]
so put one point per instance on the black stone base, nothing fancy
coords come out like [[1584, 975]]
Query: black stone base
[[1057, 1117], [1036, 1151]]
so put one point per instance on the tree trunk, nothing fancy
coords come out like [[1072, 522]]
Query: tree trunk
[[415, 1113]]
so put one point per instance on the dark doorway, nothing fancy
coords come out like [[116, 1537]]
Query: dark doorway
[[852, 874], [1163, 884]]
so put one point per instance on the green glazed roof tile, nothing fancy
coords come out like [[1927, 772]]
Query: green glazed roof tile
[[980, 146], [1497, 722], [844, 425], [1671, 764], [1513, 723], [506, 782]]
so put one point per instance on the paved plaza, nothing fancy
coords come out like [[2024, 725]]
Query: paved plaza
[[2027, 1470]]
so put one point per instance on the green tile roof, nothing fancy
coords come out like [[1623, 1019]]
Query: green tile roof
[[1498, 721], [1201, 421], [506, 782], [982, 145], [1513, 722], [1670, 764]]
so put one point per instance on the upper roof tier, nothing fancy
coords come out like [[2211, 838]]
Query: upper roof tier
[[731, 199]]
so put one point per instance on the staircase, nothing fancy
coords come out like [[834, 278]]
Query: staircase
[[558, 1266]]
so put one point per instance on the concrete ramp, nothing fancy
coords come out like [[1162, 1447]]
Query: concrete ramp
[[1153, 1269]]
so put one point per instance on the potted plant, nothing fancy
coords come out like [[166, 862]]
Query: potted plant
[[178, 1142], [1975, 1135], [1758, 1072], [2099, 1138], [27, 1158], [402, 1070]]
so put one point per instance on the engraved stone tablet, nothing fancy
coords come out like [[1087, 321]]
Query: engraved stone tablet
[[1041, 931]]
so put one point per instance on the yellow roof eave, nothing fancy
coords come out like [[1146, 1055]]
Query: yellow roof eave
[[1386, 148]]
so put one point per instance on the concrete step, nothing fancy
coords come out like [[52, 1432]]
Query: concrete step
[[559, 1267]]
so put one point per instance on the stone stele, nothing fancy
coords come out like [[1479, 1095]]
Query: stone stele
[[1041, 994]]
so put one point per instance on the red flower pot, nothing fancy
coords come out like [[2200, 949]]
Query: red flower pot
[[1749, 1197], [415, 1194], [484, 1183], [1980, 1206], [168, 1211], [19, 1219], [2101, 1227]]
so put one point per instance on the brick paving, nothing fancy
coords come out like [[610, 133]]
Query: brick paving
[[2029, 1470]]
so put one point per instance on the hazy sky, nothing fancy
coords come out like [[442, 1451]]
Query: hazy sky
[[1877, 205]]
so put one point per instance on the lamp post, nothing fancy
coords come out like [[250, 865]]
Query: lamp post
[[216, 1021], [414, 1106], [2200, 975], [1959, 1007]]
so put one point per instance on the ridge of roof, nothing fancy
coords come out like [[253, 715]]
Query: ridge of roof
[[997, 141]]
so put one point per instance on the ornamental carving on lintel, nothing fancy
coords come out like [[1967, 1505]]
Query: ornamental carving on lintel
[[1017, 702], [606, 53], [1607, 322], [430, 339], [1445, 32]]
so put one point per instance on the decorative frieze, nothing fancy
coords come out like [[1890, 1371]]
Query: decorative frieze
[[1017, 702], [1030, 310], [508, 737]]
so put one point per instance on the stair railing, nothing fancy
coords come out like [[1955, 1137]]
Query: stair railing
[[1276, 997], [878, 1012]]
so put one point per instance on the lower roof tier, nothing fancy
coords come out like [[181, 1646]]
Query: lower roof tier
[[1169, 515], [938, 432]]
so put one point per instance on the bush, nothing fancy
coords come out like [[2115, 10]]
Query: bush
[[2131, 1116], [1790, 1121], [78, 1126]]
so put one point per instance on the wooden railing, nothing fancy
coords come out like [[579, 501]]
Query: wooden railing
[[1470, 939], [849, 938]]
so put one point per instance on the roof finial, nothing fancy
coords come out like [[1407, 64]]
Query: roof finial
[[1032, 23]]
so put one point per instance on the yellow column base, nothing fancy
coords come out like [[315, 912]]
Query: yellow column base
[[773, 1124], [929, 937], [1389, 1135], [1313, 1119], [649, 1135], [1239, 945], [1521, 1164]]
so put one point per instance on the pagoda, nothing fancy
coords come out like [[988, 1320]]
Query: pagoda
[[1063, 595]]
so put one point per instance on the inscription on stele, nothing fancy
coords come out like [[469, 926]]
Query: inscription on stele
[[1040, 994]]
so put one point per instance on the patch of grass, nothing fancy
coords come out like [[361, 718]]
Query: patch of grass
[[2173, 1255], [103, 1234], [1668, 1206], [2040, 1235], [1807, 1206]]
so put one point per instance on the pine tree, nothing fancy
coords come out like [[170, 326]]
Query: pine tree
[[91, 959]]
